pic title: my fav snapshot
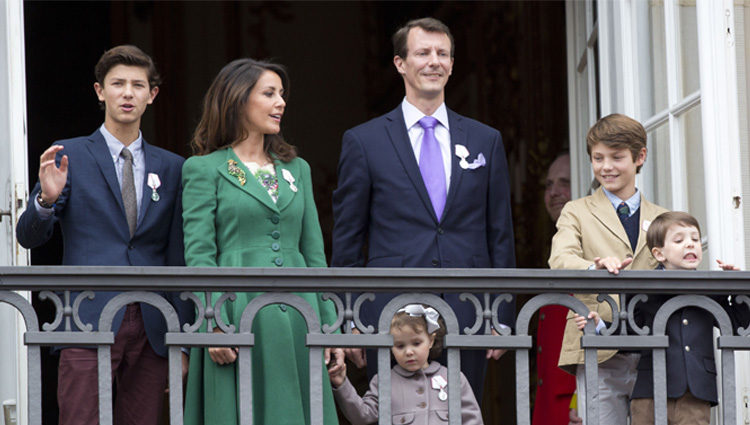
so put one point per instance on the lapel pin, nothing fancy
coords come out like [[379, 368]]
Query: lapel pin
[[236, 171], [289, 178], [154, 183]]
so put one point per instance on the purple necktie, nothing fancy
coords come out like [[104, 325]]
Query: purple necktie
[[431, 166]]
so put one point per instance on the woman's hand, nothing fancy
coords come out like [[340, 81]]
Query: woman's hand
[[222, 355]]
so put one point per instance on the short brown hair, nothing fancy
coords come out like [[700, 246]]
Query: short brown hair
[[419, 324], [617, 131], [401, 35], [221, 123], [657, 230], [126, 55]]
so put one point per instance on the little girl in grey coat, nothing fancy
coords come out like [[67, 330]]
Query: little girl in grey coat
[[419, 387]]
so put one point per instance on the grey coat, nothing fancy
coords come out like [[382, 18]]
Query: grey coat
[[413, 400]]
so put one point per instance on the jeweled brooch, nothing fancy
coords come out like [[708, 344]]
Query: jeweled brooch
[[236, 171]]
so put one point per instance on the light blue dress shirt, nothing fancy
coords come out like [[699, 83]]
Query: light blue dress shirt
[[634, 202]]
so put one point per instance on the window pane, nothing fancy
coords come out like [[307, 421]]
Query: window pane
[[696, 183], [657, 55], [691, 127], [658, 157], [688, 47]]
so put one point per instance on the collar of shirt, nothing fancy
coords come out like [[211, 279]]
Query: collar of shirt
[[412, 115], [115, 146], [634, 202]]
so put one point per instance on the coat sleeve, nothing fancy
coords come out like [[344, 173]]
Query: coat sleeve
[[567, 248], [199, 203], [199, 206], [500, 239], [358, 410], [311, 240], [32, 230], [351, 204], [499, 217], [470, 412], [176, 256]]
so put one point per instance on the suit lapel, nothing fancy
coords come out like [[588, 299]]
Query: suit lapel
[[153, 165], [252, 187], [458, 136], [100, 152], [648, 213], [396, 129], [603, 210], [286, 194]]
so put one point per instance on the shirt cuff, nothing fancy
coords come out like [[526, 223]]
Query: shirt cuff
[[44, 213], [600, 326]]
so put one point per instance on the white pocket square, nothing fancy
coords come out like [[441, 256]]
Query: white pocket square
[[463, 153]]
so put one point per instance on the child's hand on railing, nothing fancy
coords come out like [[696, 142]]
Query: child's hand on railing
[[725, 266], [581, 321], [336, 367]]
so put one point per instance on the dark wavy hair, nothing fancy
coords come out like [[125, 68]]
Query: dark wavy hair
[[221, 123], [419, 324]]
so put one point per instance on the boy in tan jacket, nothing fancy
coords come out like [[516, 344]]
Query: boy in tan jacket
[[606, 230]]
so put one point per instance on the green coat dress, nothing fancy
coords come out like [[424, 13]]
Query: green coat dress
[[230, 224]]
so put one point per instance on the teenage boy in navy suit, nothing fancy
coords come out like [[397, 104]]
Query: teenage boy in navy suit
[[425, 187], [118, 202]]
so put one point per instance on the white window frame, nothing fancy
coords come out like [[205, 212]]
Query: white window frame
[[13, 194]]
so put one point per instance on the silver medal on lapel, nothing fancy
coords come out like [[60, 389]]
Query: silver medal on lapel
[[154, 183], [439, 383]]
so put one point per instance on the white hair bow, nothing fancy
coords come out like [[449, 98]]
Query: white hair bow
[[430, 315]]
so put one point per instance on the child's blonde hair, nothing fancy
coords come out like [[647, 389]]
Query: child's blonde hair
[[419, 324]]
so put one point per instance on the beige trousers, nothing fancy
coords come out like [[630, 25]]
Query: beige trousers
[[686, 410]]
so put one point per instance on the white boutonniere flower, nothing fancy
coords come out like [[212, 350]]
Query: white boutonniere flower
[[463, 153], [289, 178], [646, 224]]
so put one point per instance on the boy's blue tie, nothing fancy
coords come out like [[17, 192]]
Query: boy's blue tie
[[623, 211], [431, 166]]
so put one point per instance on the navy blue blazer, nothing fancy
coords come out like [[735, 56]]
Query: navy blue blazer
[[95, 230], [381, 200], [694, 369]]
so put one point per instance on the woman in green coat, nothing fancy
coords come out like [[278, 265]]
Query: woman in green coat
[[248, 202]]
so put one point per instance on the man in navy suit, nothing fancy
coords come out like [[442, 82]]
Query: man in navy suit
[[425, 187], [118, 202]]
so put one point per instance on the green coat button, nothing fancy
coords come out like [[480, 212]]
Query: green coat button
[[275, 246], [275, 219], [275, 234], [278, 261]]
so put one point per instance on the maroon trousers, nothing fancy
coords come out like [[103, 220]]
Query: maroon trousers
[[139, 373]]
